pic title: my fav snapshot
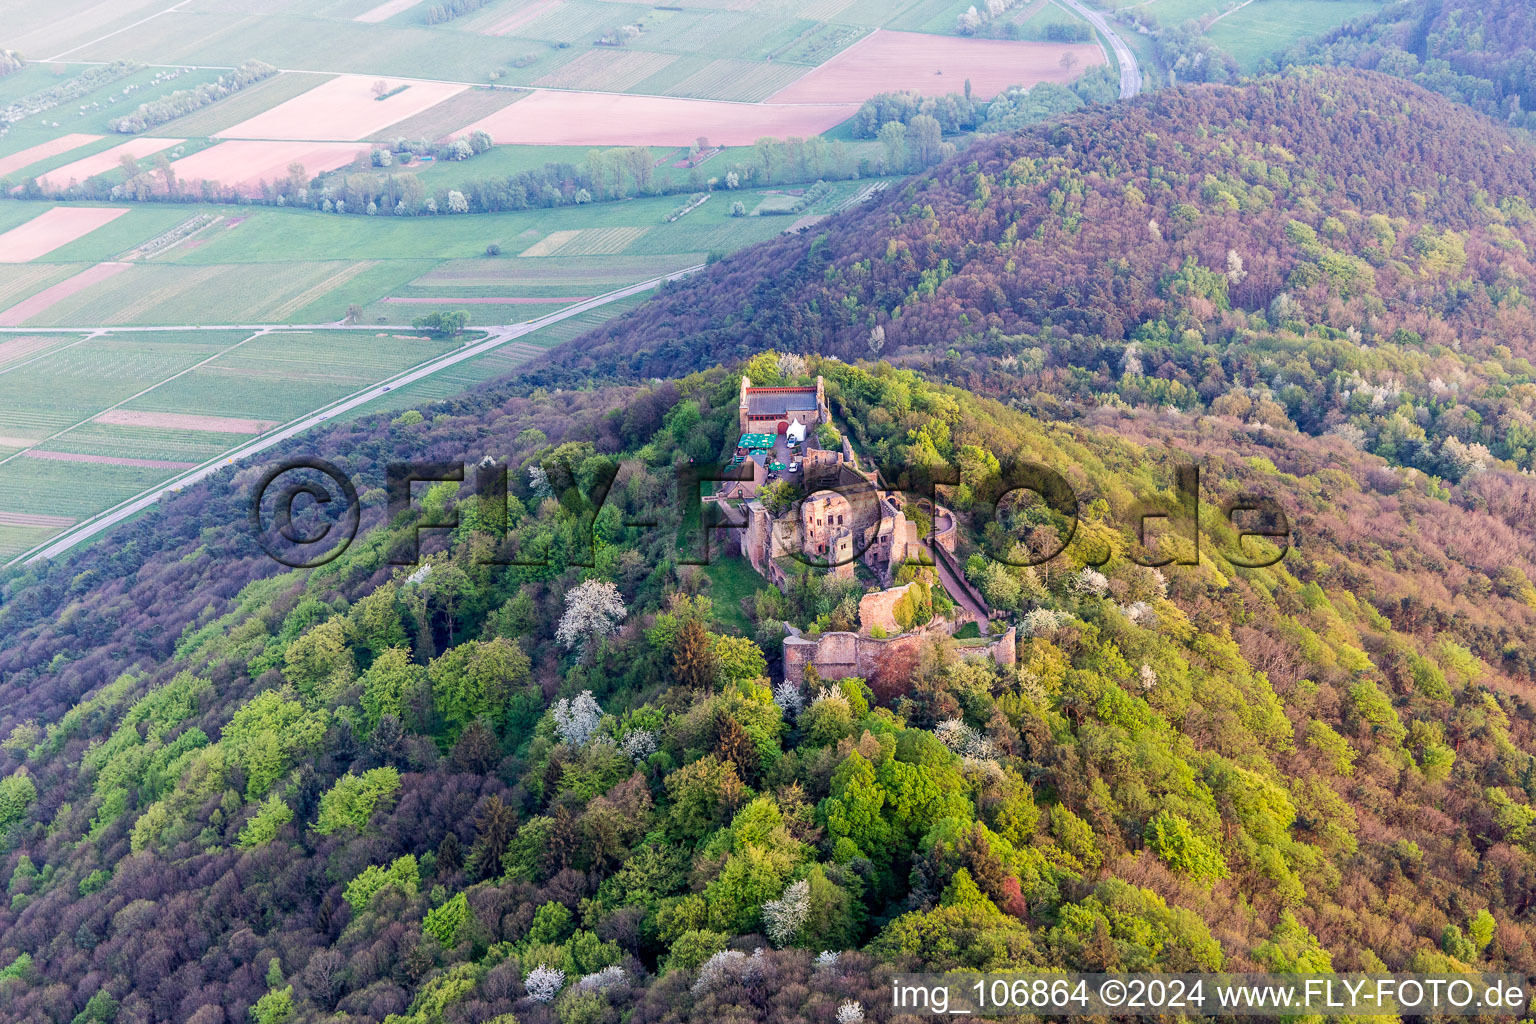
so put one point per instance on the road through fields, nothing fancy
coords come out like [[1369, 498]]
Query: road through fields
[[1130, 71], [495, 337]]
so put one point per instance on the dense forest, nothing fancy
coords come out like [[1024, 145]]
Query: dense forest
[[1482, 54], [557, 776]]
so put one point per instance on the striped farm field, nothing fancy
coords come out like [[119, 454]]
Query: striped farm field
[[585, 242], [482, 312], [606, 70], [69, 385], [572, 21], [172, 293], [581, 273], [450, 115], [147, 444], [20, 281], [17, 348], [75, 490], [91, 421], [285, 374], [502, 23], [42, 300], [745, 80]]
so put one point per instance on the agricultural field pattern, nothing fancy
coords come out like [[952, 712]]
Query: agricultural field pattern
[[224, 221]]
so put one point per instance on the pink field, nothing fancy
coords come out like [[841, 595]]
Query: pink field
[[245, 164], [58, 226], [108, 460], [42, 151], [185, 421], [519, 18], [106, 160], [935, 65], [480, 299], [550, 118], [342, 108], [30, 307], [386, 10]]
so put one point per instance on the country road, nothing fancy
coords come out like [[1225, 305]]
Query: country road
[[496, 336], [1130, 71]]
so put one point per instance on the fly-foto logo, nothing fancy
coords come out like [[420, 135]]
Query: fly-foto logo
[[306, 512]]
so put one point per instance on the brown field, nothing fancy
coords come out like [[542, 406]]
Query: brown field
[[245, 163], [185, 421], [937, 65], [594, 119], [42, 151], [58, 226], [518, 19], [388, 9], [343, 108], [447, 117], [108, 460], [106, 160], [30, 307]]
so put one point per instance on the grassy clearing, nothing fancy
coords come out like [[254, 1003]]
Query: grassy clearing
[[16, 539], [731, 580], [1266, 27], [1172, 13]]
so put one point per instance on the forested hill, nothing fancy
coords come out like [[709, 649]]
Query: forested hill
[[1478, 52], [567, 789], [553, 792]]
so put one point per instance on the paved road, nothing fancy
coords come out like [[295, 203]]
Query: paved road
[[496, 336], [1130, 71]]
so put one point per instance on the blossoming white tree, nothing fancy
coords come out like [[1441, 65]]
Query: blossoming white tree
[[577, 718], [785, 916], [544, 983], [593, 609]]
